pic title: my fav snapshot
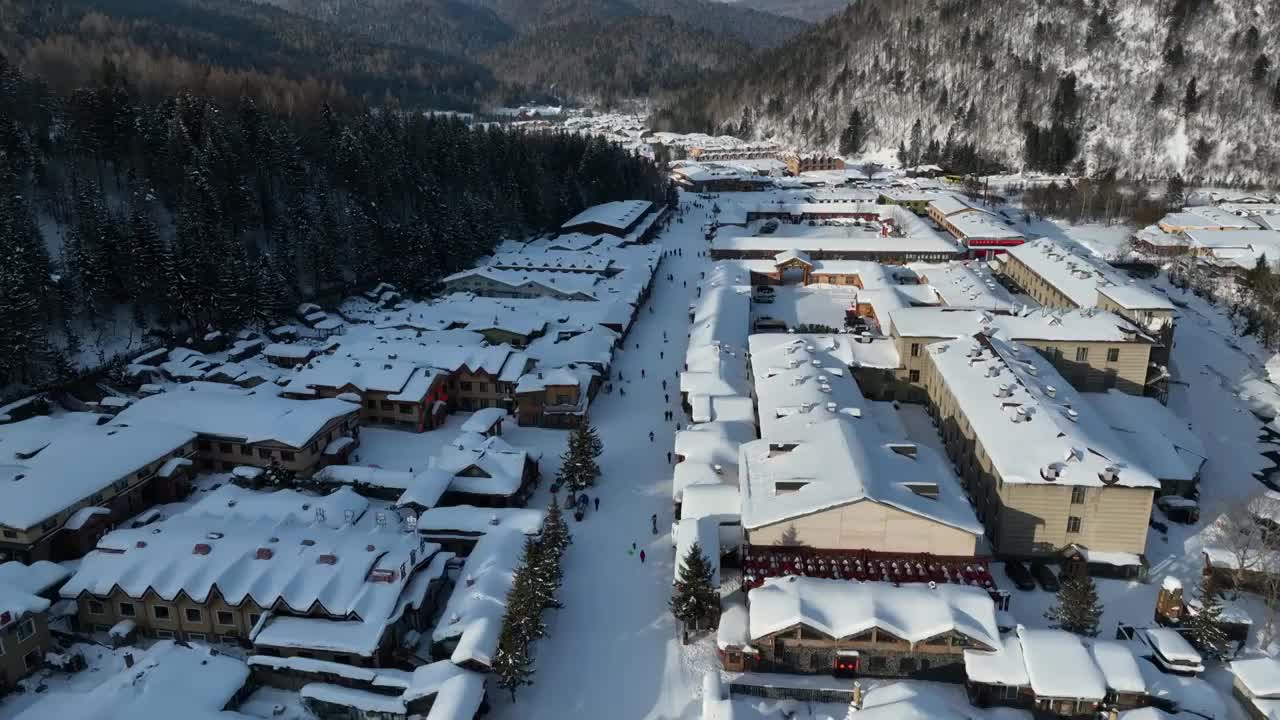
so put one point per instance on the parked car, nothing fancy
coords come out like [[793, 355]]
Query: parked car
[[1044, 575], [1019, 574]]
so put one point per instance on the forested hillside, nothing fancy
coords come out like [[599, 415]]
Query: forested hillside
[[221, 47], [635, 57], [178, 214], [1147, 87], [807, 10]]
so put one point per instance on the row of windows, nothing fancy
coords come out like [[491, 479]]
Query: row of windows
[[246, 450], [165, 613], [389, 406]]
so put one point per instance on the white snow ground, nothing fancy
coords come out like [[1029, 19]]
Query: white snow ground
[[613, 651]]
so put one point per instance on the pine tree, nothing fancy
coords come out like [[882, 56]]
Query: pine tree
[[529, 595], [278, 475], [1078, 609], [555, 531], [1191, 100], [1160, 96], [854, 134], [1261, 68], [695, 598], [578, 468], [512, 663], [1204, 626]]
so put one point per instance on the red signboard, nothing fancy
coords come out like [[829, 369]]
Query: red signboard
[[991, 242]]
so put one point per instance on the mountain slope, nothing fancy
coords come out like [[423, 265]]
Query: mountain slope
[[978, 71], [808, 10], [450, 26], [630, 57], [220, 47]]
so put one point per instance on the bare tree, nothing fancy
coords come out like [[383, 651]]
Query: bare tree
[[1245, 535], [870, 168]]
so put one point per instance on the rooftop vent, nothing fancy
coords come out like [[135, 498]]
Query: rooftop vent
[[214, 536], [923, 489], [1110, 475], [783, 487], [1051, 391], [1051, 472], [202, 549], [140, 544], [905, 449], [327, 559], [308, 542], [1072, 414], [263, 554]]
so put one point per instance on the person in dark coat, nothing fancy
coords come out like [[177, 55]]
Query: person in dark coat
[[654, 520], [597, 501]]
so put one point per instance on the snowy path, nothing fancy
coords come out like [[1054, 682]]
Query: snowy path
[[612, 652]]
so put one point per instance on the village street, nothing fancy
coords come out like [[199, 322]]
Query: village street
[[613, 650]]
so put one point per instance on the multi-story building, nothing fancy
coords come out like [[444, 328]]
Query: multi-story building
[[1044, 471], [1060, 278], [254, 427], [1094, 350], [798, 163], [65, 479], [346, 593], [391, 392], [557, 397], [26, 592], [622, 218]]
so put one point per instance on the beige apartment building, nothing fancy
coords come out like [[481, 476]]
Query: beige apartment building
[[65, 479], [1093, 351], [1044, 470], [25, 596]]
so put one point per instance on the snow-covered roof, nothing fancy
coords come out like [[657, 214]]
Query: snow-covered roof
[[1119, 666], [982, 225], [232, 502], [946, 204], [1204, 218], [1170, 644], [532, 258], [569, 284], [469, 519], [620, 214], [225, 411], [1260, 675], [481, 465], [843, 461], [840, 238], [51, 462], [340, 371], [481, 421], [288, 350], [1153, 432], [1060, 666], [720, 502], [365, 701], [1251, 238], [1043, 324], [160, 682], [1035, 427], [1081, 277], [967, 284], [358, 571], [474, 611], [1004, 666], [841, 609], [21, 586], [370, 476]]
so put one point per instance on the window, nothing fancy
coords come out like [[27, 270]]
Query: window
[[264, 453], [1113, 354], [224, 447], [231, 639], [120, 485], [198, 637], [164, 634], [246, 450], [225, 618], [26, 629], [253, 619], [1077, 496], [97, 608], [1082, 354], [194, 615], [915, 349], [10, 534], [128, 610], [371, 404], [877, 662], [406, 408], [562, 399], [32, 659], [1073, 524], [160, 612], [286, 455], [205, 445], [1007, 692], [388, 405], [466, 386], [914, 376]]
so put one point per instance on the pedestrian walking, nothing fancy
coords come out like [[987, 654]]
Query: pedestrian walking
[[650, 436], [668, 457], [660, 356], [597, 501], [641, 557], [664, 384], [642, 373], [666, 398], [654, 520]]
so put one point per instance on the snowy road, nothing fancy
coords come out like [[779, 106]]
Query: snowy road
[[612, 651]]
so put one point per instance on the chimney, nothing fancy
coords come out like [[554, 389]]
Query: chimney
[[201, 549], [128, 660], [263, 554], [327, 559]]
